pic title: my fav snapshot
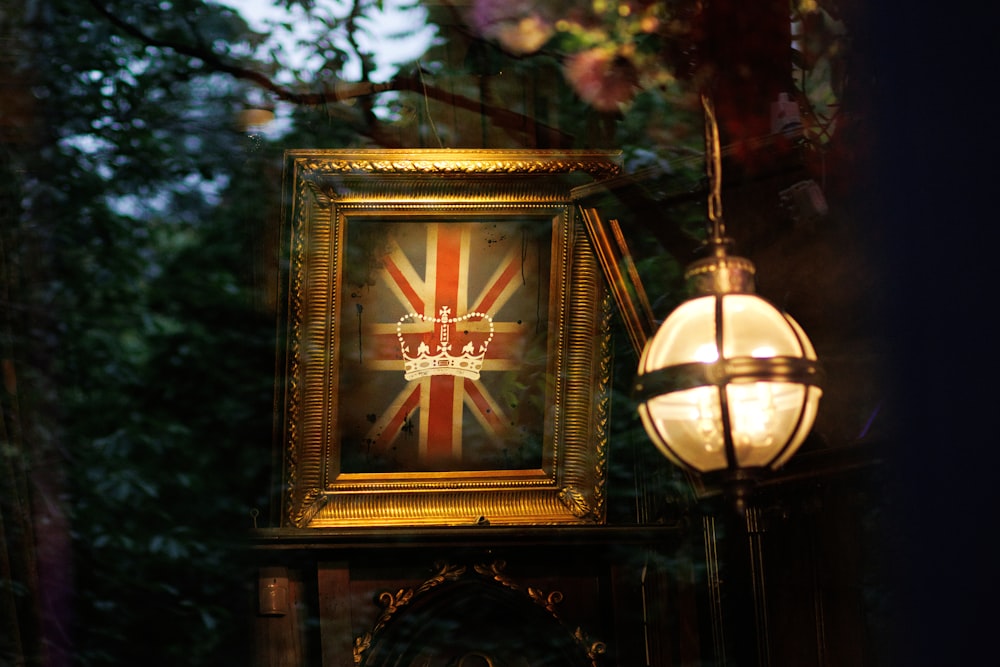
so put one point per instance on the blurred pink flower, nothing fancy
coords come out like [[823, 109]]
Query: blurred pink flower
[[603, 79], [516, 24], [526, 36]]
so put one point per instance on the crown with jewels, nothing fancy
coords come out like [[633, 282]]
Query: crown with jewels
[[441, 361]]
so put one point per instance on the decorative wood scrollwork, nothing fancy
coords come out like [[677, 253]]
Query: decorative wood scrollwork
[[492, 572]]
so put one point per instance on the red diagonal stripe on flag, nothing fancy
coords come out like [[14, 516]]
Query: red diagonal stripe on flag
[[483, 406], [398, 419], [510, 271], [405, 287]]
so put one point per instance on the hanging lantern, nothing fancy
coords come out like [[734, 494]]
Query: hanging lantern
[[729, 383]]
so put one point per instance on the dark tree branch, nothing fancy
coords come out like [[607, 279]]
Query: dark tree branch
[[502, 118], [211, 60], [352, 26]]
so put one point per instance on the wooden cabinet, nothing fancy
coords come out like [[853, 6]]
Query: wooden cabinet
[[497, 596]]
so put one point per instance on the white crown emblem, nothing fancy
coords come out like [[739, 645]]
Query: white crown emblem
[[442, 361]]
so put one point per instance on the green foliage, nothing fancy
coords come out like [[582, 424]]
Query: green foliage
[[163, 354], [157, 214]]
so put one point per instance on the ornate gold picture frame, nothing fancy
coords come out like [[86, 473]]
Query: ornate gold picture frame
[[446, 339]]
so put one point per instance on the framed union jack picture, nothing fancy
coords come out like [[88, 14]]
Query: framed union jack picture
[[445, 340]]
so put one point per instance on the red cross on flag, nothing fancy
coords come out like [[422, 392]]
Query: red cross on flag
[[443, 352]]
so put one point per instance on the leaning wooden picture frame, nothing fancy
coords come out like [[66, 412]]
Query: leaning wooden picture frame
[[445, 341]]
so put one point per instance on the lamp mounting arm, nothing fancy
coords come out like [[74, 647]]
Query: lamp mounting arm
[[713, 169]]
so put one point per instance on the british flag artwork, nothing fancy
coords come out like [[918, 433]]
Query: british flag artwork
[[443, 344]]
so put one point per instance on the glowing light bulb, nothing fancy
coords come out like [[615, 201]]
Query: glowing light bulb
[[706, 353]]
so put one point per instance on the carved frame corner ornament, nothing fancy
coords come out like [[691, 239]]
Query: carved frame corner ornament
[[493, 571], [446, 348]]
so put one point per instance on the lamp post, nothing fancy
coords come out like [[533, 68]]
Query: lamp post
[[729, 385]]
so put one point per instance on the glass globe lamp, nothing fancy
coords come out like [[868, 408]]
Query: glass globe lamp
[[729, 384]]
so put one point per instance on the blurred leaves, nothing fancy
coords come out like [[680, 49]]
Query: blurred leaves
[[157, 221], [162, 354]]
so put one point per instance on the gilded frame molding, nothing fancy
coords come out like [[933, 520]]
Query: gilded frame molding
[[328, 193]]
